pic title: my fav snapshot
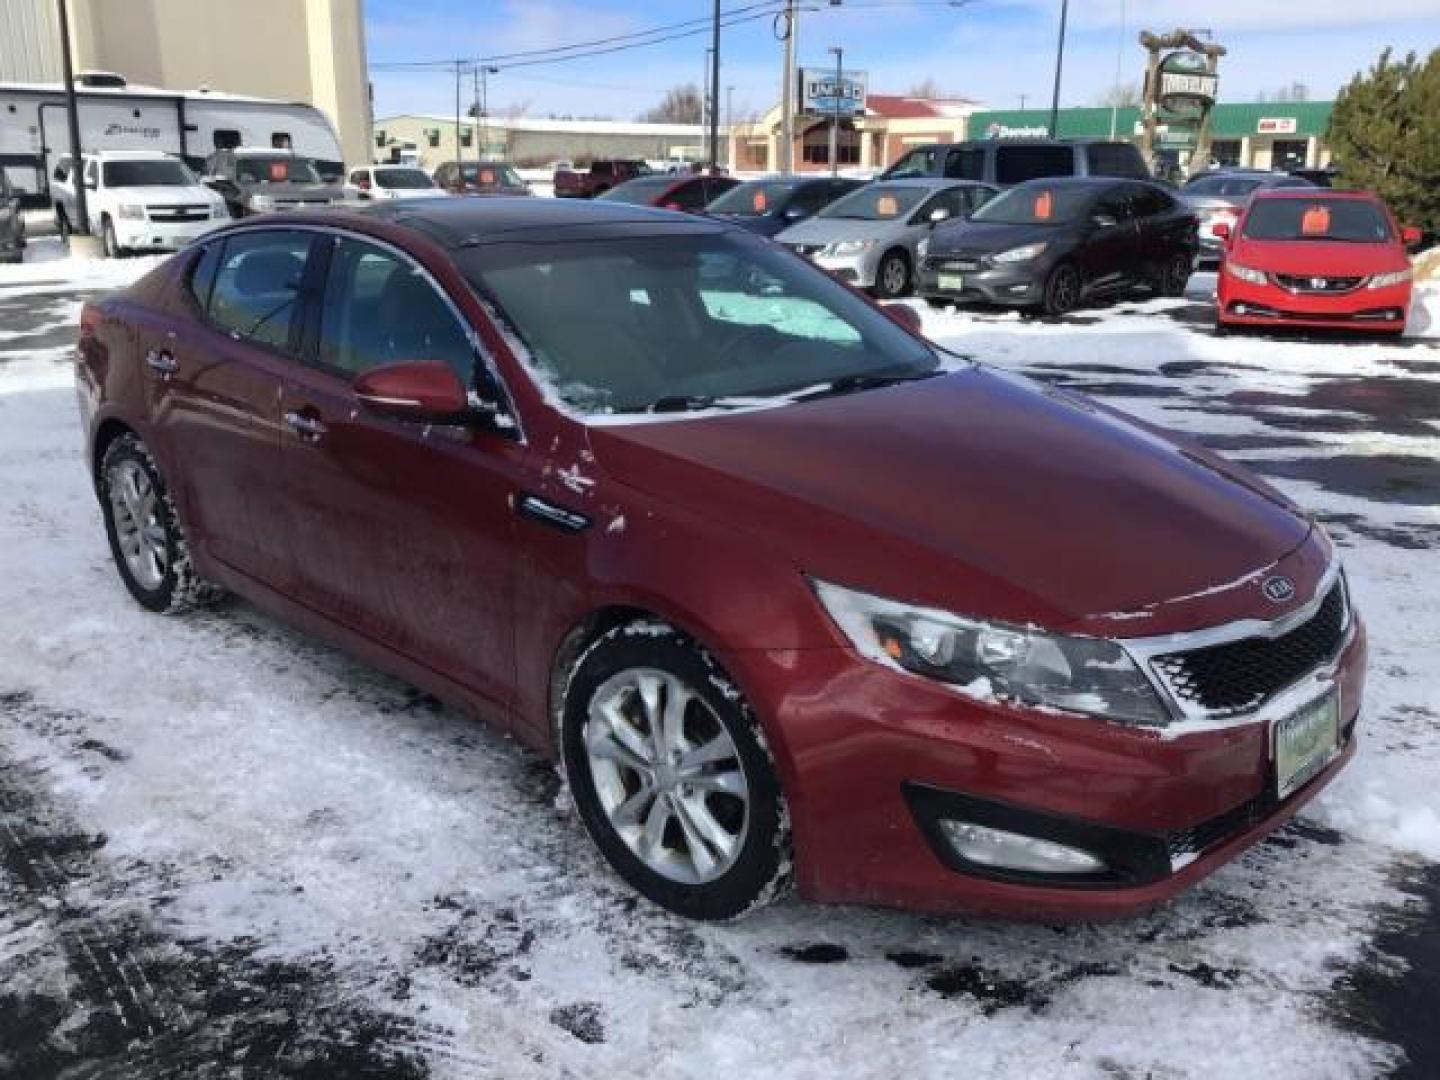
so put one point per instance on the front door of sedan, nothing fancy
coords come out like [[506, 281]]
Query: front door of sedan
[[214, 381], [403, 532], [1110, 249]]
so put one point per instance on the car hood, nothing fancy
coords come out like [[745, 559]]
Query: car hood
[[979, 493], [1214, 202], [1334, 258], [763, 224], [295, 191], [167, 195], [823, 230], [985, 236]]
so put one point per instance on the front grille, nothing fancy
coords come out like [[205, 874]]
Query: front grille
[[946, 262], [1304, 283], [1241, 675], [179, 213]]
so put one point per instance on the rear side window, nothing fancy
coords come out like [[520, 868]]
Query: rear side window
[[226, 138], [688, 196], [1016, 164], [966, 164], [202, 275], [257, 286], [379, 309], [1148, 201], [1114, 159]]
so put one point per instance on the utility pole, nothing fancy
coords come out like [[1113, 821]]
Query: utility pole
[[730, 126], [1059, 61], [1119, 51], [715, 89], [786, 156], [475, 105], [458, 66], [1022, 101], [835, 117], [72, 116], [483, 137]]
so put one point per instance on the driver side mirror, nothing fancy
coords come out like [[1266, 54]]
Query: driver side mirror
[[1220, 230], [1410, 235], [794, 213], [938, 215], [421, 391]]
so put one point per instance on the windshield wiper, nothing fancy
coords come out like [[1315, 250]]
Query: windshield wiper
[[681, 403], [849, 384]]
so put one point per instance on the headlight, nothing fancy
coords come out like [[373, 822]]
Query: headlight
[[848, 247], [132, 211], [1244, 273], [1395, 277], [987, 660], [1019, 254], [922, 246]]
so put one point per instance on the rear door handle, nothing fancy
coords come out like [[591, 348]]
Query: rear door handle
[[162, 361], [309, 428]]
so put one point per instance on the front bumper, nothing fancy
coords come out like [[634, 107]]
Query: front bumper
[[1245, 303], [871, 758], [137, 235], [858, 270], [1011, 285]]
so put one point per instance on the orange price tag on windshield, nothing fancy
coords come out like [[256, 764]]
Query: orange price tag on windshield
[[1316, 221], [1044, 205], [758, 203], [279, 170], [887, 206], [487, 177]]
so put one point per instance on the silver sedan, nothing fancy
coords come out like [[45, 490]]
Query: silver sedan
[[870, 237]]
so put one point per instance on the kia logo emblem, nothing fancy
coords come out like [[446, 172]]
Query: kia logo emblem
[[1278, 589]]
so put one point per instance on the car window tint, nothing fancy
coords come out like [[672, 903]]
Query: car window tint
[[951, 200], [810, 198], [1146, 201], [966, 164], [976, 197], [916, 163], [688, 196], [1114, 203], [1109, 159], [257, 286], [202, 274], [379, 309], [1016, 164]]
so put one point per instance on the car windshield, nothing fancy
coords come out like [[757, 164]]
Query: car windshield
[[1353, 221], [641, 192], [156, 173], [1037, 204], [916, 163], [276, 170], [677, 321], [877, 202], [1223, 185], [755, 199], [408, 179], [487, 175]]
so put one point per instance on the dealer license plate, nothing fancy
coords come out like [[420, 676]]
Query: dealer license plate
[[1305, 742], [952, 282]]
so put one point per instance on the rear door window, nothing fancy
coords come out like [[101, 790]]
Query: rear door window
[[380, 309], [688, 196], [256, 295], [1114, 159], [1016, 164]]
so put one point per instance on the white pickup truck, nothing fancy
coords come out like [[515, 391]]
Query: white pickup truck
[[138, 200]]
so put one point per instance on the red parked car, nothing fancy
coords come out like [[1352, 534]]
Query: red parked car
[[692, 192], [1315, 259], [789, 598]]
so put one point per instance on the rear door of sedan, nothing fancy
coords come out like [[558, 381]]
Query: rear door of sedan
[[403, 532]]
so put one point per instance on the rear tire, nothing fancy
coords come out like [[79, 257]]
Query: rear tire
[[671, 775], [147, 540], [1175, 274]]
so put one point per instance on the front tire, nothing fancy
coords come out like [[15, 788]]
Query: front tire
[[671, 776], [1062, 291], [892, 276], [109, 240], [147, 540], [1175, 275]]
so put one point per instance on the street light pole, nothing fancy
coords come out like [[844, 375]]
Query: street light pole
[[72, 116], [786, 155], [715, 89], [475, 105], [485, 70], [835, 118], [459, 158], [1059, 61]]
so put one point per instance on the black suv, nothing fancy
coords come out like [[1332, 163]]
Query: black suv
[[1004, 162]]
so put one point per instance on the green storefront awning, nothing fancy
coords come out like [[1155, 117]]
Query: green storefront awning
[[1294, 120]]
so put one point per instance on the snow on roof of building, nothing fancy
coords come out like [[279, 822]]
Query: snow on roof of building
[[535, 123], [902, 107]]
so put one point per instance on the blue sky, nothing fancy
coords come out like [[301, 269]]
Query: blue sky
[[993, 50]]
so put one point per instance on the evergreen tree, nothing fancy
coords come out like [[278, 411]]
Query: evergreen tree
[[1385, 136]]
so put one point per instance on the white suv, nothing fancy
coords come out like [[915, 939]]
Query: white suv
[[138, 200], [390, 182]]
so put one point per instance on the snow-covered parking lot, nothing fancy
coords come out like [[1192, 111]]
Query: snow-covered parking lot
[[226, 850]]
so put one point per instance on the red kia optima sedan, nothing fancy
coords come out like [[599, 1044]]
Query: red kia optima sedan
[[1311, 258], [791, 595]]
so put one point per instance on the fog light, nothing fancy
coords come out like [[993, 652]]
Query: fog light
[[1012, 851], [1239, 309]]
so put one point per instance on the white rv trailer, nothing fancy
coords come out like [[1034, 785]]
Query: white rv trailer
[[114, 115]]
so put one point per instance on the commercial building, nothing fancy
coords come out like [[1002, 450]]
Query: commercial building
[[292, 50], [1261, 135], [526, 141]]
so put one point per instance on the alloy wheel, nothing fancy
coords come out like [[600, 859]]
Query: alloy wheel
[[139, 530], [894, 276], [668, 775], [1063, 292]]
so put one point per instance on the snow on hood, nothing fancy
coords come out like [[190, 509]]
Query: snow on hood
[[977, 493]]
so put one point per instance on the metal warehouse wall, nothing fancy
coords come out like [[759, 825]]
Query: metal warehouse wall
[[29, 41]]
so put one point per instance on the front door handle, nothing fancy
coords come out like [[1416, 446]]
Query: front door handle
[[309, 428], [162, 361]]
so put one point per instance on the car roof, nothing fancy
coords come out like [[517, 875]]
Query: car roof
[[1313, 193], [130, 155], [1086, 181], [259, 151], [457, 223], [929, 182]]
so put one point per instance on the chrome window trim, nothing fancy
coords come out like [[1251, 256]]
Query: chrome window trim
[[1144, 650], [471, 334]]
